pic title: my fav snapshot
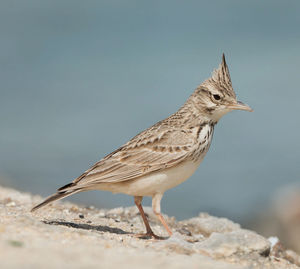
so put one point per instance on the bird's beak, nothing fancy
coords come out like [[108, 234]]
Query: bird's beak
[[240, 106]]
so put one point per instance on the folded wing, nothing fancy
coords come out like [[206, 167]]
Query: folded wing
[[140, 156]]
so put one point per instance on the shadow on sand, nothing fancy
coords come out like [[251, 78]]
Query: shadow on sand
[[84, 226]]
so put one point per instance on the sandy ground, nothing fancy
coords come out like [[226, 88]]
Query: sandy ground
[[65, 235]]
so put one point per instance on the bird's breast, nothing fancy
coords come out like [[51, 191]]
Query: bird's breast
[[204, 138]]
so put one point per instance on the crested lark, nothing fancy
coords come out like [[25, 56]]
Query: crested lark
[[164, 155]]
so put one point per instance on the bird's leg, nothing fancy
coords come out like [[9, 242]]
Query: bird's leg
[[156, 209], [149, 232]]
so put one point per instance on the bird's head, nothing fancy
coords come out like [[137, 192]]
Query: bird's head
[[215, 96]]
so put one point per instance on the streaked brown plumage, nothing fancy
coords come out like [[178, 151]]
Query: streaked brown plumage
[[165, 154]]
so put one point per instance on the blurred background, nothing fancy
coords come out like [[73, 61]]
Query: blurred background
[[80, 78]]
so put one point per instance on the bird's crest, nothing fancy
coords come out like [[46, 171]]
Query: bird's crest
[[221, 78], [221, 74]]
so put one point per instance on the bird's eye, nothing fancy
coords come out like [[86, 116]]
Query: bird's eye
[[217, 97]]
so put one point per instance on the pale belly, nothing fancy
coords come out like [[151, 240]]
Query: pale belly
[[157, 182]]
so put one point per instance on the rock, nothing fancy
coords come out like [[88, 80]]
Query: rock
[[238, 241], [205, 225], [65, 235]]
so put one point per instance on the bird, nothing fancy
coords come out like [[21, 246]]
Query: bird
[[164, 155]]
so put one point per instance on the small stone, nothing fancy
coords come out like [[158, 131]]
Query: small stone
[[101, 214], [81, 216], [115, 211], [273, 241], [185, 231], [11, 204]]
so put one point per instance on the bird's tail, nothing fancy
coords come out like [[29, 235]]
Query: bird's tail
[[61, 193]]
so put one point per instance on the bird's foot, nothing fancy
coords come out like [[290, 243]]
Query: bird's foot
[[149, 235]]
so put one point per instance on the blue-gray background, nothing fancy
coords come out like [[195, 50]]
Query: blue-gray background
[[80, 78]]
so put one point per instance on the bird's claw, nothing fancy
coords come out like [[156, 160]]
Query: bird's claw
[[149, 235]]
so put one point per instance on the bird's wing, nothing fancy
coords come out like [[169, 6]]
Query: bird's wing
[[150, 151]]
